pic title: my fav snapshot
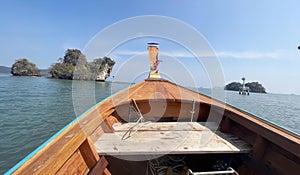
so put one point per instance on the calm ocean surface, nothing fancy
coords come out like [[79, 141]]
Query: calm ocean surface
[[33, 109]]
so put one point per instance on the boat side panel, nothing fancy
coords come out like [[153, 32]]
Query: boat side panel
[[274, 135], [28, 159], [164, 110], [273, 151], [82, 160], [72, 151], [60, 148], [74, 165], [89, 153]]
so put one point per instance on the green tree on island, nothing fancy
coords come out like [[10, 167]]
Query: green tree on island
[[74, 66]]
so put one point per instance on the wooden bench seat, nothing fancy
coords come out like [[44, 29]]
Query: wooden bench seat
[[168, 138]]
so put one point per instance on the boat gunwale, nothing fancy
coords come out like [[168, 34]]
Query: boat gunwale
[[41, 146]]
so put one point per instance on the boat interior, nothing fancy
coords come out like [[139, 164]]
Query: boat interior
[[181, 136], [183, 142], [172, 141], [147, 129]]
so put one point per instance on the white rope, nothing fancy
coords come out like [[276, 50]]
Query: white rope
[[139, 123], [132, 130], [193, 111]]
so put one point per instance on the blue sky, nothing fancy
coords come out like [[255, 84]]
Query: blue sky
[[256, 39]]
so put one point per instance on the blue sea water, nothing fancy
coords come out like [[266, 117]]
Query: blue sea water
[[33, 109]]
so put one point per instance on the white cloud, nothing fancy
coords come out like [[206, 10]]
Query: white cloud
[[177, 54], [277, 54]]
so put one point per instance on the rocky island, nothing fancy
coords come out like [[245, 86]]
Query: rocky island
[[253, 86], [74, 66], [22, 67]]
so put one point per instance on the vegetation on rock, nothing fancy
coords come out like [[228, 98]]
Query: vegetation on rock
[[253, 86], [74, 66], [22, 67]]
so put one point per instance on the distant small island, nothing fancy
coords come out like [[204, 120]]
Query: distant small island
[[23, 67], [253, 86], [74, 66], [5, 70]]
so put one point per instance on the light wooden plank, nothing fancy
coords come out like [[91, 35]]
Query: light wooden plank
[[106, 172], [162, 126], [182, 141], [96, 134], [95, 118]]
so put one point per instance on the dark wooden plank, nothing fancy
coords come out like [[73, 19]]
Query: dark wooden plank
[[89, 153], [275, 135], [280, 163], [100, 167]]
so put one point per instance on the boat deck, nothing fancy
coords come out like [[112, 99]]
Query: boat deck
[[168, 138]]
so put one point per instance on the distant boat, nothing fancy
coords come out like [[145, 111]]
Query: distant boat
[[195, 133]]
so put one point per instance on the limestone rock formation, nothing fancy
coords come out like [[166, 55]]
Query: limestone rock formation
[[74, 66], [22, 67]]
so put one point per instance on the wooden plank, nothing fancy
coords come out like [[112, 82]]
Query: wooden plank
[[106, 172], [94, 127], [162, 126], [89, 153], [90, 124], [280, 163], [112, 120], [234, 140], [74, 165], [100, 167], [43, 158], [63, 154], [106, 126], [96, 134], [244, 133], [152, 141], [283, 139]]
